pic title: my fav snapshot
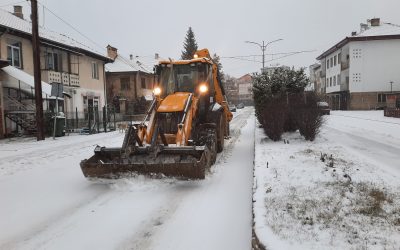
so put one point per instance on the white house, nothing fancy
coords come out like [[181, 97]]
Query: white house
[[359, 71]]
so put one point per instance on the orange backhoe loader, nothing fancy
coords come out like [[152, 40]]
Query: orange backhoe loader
[[183, 130]]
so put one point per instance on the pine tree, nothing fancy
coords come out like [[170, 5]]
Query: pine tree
[[189, 45], [217, 61]]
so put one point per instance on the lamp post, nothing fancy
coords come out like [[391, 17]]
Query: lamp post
[[263, 47], [391, 86]]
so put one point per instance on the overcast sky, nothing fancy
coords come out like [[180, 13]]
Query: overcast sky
[[147, 27]]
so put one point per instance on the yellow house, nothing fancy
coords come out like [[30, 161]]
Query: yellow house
[[63, 60]]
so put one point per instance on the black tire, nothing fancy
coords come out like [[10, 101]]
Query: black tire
[[221, 132], [228, 129], [211, 143]]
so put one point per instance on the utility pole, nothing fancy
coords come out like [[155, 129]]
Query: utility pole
[[36, 69], [391, 86], [263, 47]]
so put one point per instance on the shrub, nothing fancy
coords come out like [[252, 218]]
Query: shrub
[[309, 117], [273, 118]]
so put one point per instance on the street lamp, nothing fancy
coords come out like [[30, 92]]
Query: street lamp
[[263, 47]]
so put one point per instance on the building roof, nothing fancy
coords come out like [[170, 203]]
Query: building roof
[[245, 78], [122, 64], [384, 31], [22, 26]]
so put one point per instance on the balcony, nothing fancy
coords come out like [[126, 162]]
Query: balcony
[[70, 79], [344, 65], [53, 76], [61, 77]]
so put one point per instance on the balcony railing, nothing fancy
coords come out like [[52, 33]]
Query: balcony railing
[[61, 77], [344, 65]]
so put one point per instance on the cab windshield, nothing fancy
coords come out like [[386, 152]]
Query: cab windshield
[[182, 77]]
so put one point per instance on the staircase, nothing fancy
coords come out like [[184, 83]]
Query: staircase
[[22, 114]]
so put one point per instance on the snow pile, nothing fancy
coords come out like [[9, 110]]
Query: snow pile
[[329, 194]]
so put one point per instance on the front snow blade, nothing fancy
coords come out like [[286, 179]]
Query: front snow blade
[[187, 162]]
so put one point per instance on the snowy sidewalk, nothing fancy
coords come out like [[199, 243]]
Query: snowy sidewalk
[[350, 200]]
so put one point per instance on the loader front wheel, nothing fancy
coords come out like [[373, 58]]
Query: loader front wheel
[[212, 145], [221, 133]]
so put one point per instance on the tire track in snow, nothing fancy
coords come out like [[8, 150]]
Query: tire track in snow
[[143, 239]]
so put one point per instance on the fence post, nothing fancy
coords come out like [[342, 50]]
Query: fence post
[[90, 118], [76, 118], [104, 119], [97, 119], [115, 125]]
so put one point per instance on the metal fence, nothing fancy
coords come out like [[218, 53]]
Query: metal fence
[[392, 112], [96, 120]]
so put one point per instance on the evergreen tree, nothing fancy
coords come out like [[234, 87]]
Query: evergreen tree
[[220, 73], [189, 45]]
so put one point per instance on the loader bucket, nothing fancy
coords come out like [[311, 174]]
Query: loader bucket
[[189, 162]]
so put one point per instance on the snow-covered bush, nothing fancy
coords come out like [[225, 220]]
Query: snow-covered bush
[[309, 118], [280, 104]]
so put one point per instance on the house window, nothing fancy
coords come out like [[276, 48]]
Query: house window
[[331, 62], [338, 80], [95, 70], [381, 97], [52, 61], [327, 64], [143, 83], [334, 60], [125, 83], [339, 58], [14, 54]]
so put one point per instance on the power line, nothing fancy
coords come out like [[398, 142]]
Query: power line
[[285, 54], [71, 26], [11, 4]]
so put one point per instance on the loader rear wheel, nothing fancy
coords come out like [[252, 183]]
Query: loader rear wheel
[[220, 132]]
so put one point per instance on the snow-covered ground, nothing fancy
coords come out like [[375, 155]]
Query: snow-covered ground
[[46, 203], [339, 192]]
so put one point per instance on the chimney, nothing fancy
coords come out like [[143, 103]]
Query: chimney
[[375, 22], [18, 11], [156, 56], [363, 27], [112, 52], [131, 57], [354, 33]]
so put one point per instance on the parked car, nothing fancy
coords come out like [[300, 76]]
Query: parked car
[[240, 105], [232, 107], [324, 108]]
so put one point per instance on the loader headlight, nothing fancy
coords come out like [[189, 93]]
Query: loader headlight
[[203, 88], [195, 56], [157, 91]]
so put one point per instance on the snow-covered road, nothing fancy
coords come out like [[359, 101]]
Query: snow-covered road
[[47, 204]]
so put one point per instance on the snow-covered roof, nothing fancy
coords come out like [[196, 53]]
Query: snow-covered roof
[[122, 64], [384, 29], [24, 78], [11, 21], [378, 32]]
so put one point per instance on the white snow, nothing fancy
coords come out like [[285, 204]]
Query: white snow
[[46, 203], [304, 203]]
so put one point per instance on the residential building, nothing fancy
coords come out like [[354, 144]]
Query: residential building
[[362, 69], [315, 79], [231, 89], [64, 60], [245, 84], [129, 83]]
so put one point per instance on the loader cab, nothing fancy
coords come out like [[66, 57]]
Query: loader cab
[[184, 76]]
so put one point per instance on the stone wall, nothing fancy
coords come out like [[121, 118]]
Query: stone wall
[[364, 101]]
